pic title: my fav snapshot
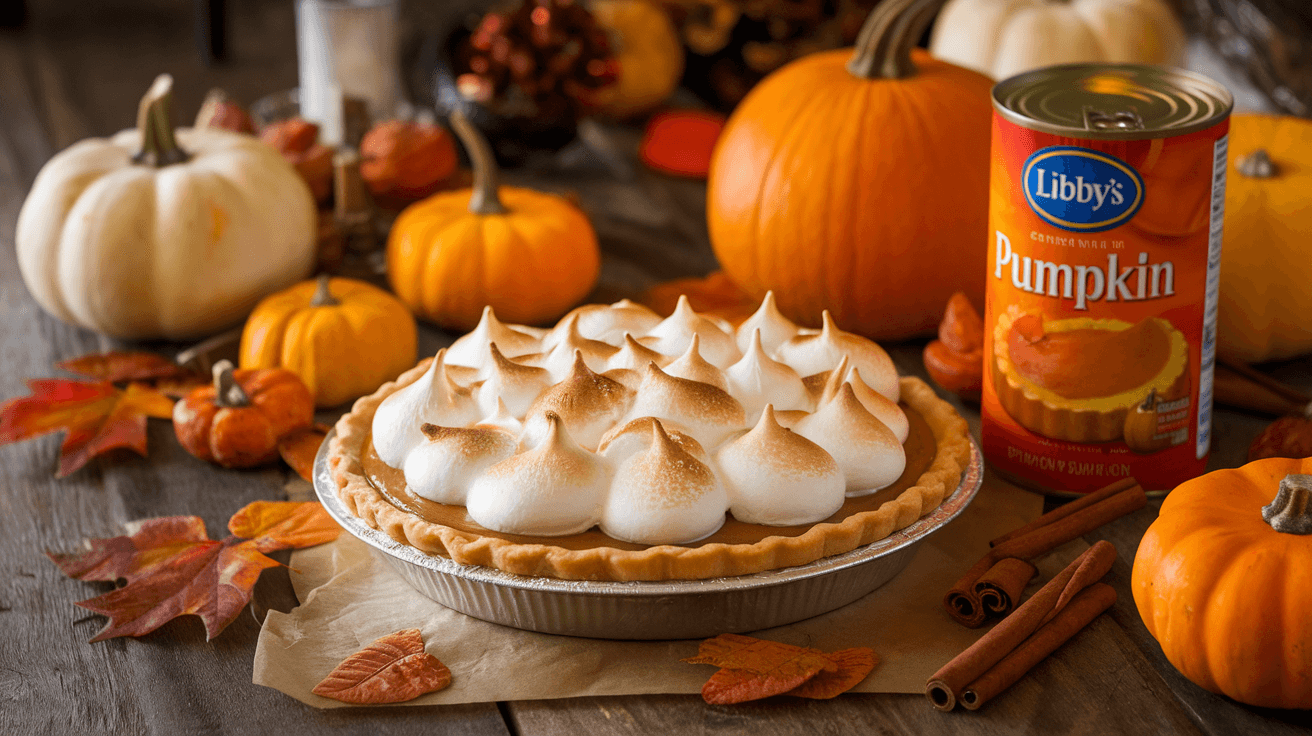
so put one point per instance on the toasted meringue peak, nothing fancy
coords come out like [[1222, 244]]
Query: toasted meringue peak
[[630, 378], [775, 328], [774, 476], [867, 451], [756, 380], [789, 419], [609, 323], [635, 436], [675, 332], [663, 495], [693, 367], [710, 414], [501, 418], [559, 360], [445, 465], [512, 383], [635, 356], [874, 402], [464, 376], [588, 403], [469, 349], [433, 398], [820, 352], [557, 488]]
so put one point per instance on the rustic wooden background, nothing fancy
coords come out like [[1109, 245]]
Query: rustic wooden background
[[78, 70]]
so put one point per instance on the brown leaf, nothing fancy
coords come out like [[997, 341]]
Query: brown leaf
[[120, 367], [299, 449], [173, 568], [756, 668], [96, 417], [853, 666], [1285, 437], [393, 669], [727, 687]]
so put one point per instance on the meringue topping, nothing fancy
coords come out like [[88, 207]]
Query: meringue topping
[[609, 323], [775, 328], [500, 418], [868, 453], [635, 356], [663, 495], [442, 468], [433, 399], [517, 386], [557, 488], [636, 436], [588, 403], [774, 476], [673, 335], [470, 348], [710, 414], [693, 367], [559, 359], [876, 403], [756, 380], [809, 354]]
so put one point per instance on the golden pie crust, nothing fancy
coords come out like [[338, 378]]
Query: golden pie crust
[[659, 562], [1098, 419]]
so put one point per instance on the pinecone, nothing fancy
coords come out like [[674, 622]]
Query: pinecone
[[544, 59]]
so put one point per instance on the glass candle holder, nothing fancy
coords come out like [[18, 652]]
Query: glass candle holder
[[347, 48]]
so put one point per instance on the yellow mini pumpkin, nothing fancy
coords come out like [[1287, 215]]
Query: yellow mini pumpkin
[[343, 337], [648, 51], [527, 254]]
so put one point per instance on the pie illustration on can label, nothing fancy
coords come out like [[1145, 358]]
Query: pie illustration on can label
[[1083, 379]]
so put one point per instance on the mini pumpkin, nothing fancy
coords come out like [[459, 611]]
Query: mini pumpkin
[[298, 142], [404, 160], [344, 338], [1265, 311], [647, 50], [857, 181], [1220, 579], [238, 420], [527, 254], [1141, 424]]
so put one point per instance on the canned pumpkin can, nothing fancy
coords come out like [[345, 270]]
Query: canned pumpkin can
[[1106, 208]]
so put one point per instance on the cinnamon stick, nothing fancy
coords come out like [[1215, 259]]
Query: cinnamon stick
[[945, 688], [962, 603], [1082, 610], [999, 589], [1065, 510]]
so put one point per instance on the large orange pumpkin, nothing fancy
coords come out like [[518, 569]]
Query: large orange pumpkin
[[857, 181], [1221, 581]]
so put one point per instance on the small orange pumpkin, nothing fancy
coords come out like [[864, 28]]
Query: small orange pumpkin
[[298, 142], [1220, 580], [527, 254], [858, 181], [1141, 426], [344, 338], [237, 421], [404, 160]]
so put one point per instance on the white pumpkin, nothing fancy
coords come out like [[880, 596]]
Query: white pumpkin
[[1002, 38], [174, 250]]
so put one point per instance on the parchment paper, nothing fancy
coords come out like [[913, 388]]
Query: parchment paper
[[350, 598]]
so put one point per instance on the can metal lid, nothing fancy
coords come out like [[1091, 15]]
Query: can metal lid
[[1112, 101]]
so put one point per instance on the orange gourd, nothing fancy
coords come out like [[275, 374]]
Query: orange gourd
[[527, 254], [344, 338], [955, 361], [1220, 580], [857, 181], [237, 421]]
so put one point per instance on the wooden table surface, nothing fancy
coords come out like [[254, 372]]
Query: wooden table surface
[[67, 77]]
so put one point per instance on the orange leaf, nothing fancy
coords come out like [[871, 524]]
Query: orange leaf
[[853, 666], [715, 294], [961, 330], [173, 568], [96, 417], [275, 525], [120, 367], [756, 668], [393, 669], [299, 449]]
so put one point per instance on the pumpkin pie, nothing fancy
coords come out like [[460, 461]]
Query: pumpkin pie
[[622, 446], [1077, 379]]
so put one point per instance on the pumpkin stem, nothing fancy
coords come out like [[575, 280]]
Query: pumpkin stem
[[1150, 401], [159, 147], [1257, 165], [227, 393], [1291, 511], [883, 47], [484, 199], [322, 296]]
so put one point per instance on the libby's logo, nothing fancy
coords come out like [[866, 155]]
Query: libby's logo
[[1081, 190]]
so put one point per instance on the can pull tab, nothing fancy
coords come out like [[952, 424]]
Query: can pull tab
[[1115, 120]]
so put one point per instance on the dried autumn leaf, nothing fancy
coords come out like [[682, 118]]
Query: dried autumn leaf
[[393, 669], [173, 568], [96, 417], [1285, 437], [299, 449], [756, 668], [853, 666], [120, 367], [727, 687]]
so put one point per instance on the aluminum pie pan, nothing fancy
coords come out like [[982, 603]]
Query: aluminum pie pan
[[683, 609]]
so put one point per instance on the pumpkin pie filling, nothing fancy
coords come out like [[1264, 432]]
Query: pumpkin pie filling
[[1088, 363]]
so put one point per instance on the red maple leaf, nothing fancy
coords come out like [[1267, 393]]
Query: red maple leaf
[[752, 669], [96, 417], [173, 568], [393, 669]]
